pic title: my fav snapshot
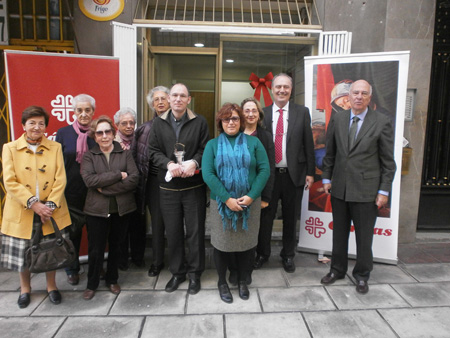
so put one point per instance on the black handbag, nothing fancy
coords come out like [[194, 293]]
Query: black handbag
[[50, 255]]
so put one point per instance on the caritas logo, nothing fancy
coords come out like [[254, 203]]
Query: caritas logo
[[376, 231], [102, 2]]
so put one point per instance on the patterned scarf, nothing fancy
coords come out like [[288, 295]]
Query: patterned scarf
[[125, 140], [82, 145], [232, 166]]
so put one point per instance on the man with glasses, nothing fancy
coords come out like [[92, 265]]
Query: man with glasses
[[358, 170], [177, 141], [290, 125]]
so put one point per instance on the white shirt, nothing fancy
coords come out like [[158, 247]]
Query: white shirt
[[275, 116]]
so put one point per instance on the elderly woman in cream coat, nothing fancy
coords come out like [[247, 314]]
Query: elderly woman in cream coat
[[35, 179]]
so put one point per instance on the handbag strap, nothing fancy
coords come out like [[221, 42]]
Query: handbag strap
[[38, 234]]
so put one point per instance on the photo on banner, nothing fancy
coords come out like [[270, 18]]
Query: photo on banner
[[328, 81]]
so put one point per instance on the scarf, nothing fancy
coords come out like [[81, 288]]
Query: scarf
[[232, 167], [82, 145], [126, 140]]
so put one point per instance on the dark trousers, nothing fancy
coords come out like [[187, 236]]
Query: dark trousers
[[75, 233], [185, 210], [364, 216], [134, 241], [291, 202], [153, 204], [100, 231]]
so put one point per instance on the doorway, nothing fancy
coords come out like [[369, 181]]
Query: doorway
[[198, 73]]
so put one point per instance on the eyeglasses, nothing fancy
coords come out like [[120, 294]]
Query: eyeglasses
[[127, 123], [254, 112], [181, 96], [100, 133], [227, 120]]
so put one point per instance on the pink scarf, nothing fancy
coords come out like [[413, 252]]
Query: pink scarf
[[126, 140], [82, 145]]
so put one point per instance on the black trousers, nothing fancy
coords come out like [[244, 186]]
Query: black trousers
[[291, 202], [158, 228], [185, 210], [75, 234], [241, 261], [364, 216], [100, 231], [134, 241]]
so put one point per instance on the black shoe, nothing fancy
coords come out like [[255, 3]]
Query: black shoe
[[330, 278], [259, 261], [362, 286], [233, 279], [174, 283], [55, 297], [288, 264], [155, 270], [243, 291], [194, 286], [225, 294], [24, 300]]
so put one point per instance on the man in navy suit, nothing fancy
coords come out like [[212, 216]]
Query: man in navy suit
[[358, 170], [290, 125]]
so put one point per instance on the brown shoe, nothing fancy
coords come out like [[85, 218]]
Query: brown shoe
[[114, 288], [330, 278], [73, 279], [362, 286], [88, 294]]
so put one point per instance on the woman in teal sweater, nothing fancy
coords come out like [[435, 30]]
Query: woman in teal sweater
[[236, 168]]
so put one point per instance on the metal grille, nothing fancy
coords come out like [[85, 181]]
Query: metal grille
[[436, 165], [38, 22], [256, 13]]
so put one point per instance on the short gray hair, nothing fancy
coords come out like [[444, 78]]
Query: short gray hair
[[83, 98], [152, 92], [124, 111]]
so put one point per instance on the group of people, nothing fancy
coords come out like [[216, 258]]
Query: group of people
[[106, 174]]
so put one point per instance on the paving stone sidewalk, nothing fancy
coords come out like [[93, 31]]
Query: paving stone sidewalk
[[411, 299]]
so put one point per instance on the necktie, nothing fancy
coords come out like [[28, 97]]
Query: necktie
[[279, 138], [352, 132]]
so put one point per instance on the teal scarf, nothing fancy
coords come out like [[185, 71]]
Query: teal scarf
[[232, 167]]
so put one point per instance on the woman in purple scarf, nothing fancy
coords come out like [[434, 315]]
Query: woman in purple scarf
[[75, 142]]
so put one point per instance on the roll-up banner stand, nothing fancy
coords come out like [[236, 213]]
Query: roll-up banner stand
[[327, 80], [51, 80]]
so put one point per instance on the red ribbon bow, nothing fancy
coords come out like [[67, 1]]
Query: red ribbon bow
[[262, 85]]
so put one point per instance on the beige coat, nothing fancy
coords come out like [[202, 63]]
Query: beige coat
[[22, 168]]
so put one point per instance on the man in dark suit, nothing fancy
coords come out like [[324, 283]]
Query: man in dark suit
[[290, 125], [360, 166]]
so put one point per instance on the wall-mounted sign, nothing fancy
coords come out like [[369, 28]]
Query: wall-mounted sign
[[101, 10]]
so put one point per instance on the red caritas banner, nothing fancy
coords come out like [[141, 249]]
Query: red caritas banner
[[51, 80]]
